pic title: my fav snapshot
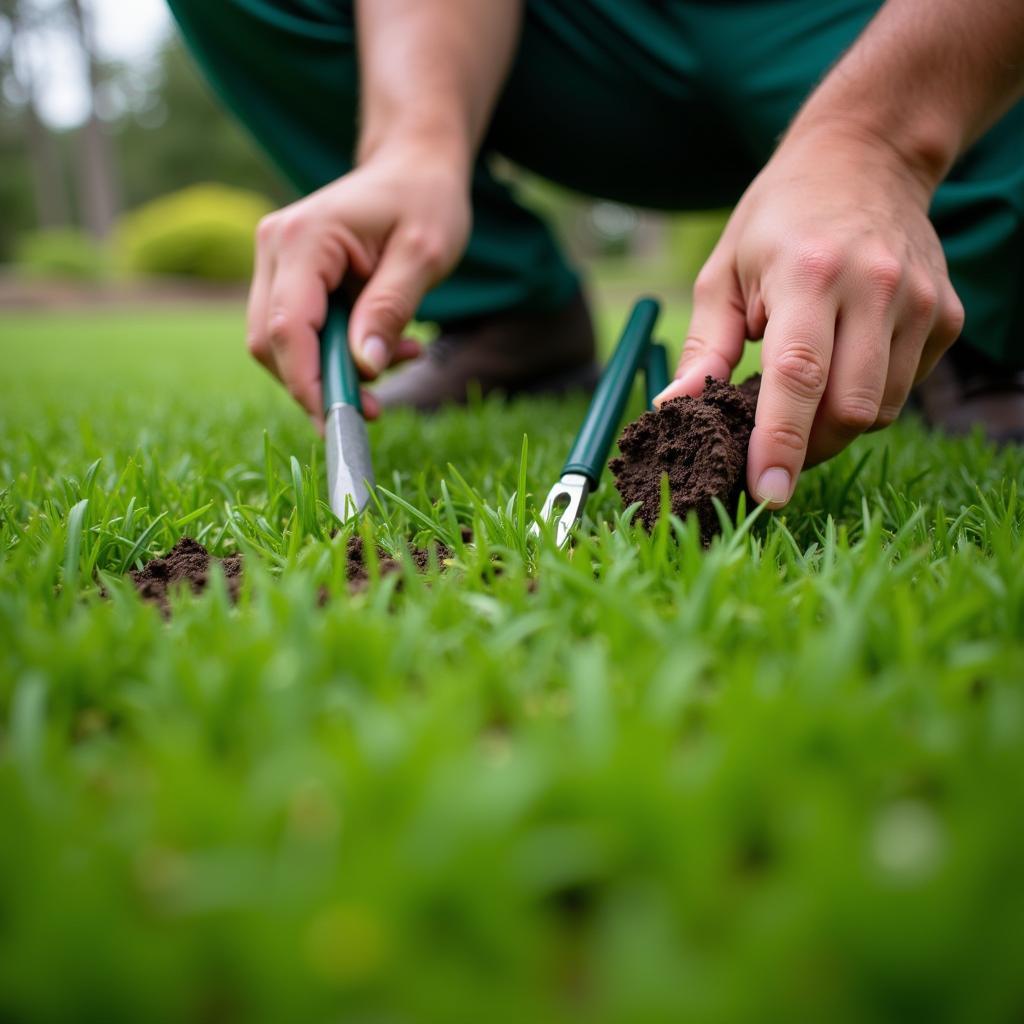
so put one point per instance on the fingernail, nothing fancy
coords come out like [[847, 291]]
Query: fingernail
[[375, 354], [674, 390], [774, 486], [662, 396]]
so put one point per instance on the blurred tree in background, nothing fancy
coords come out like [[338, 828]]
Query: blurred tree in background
[[32, 189], [85, 187], [17, 210], [149, 129], [174, 133], [96, 173]]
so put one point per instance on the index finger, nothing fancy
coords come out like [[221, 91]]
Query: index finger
[[297, 308], [796, 356], [257, 328]]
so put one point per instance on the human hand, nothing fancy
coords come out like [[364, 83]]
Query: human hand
[[831, 259], [397, 223]]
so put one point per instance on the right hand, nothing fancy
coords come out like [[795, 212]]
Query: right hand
[[830, 258], [399, 222]]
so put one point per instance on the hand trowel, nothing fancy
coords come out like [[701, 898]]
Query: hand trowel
[[349, 465]]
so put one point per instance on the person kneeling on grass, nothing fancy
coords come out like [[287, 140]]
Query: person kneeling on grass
[[874, 151]]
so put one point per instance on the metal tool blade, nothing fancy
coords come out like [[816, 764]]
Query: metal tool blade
[[570, 495], [349, 466]]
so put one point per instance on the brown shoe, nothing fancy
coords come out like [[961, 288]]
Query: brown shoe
[[967, 390], [514, 353]]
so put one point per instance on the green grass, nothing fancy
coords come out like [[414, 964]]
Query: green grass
[[781, 779]]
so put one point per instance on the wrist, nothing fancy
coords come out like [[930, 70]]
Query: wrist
[[920, 157], [922, 142], [434, 142]]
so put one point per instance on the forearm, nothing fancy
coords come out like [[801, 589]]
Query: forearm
[[431, 71], [926, 78]]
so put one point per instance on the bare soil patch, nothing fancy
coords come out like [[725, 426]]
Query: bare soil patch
[[187, 564]]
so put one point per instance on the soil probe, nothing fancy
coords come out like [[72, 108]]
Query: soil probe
[[349, 465], [593, 444]]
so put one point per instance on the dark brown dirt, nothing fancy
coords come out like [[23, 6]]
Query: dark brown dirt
[[701, 443], [187, 564], [359, 574]]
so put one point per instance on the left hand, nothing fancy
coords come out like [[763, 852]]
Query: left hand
[[397, 223], [831, 259]]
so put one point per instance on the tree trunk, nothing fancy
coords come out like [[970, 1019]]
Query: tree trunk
[[97, 184], [53, 209], [52, 206]]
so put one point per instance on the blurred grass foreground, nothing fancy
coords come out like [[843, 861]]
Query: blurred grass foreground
[[781, 778]]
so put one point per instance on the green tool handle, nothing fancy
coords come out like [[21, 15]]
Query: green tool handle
[[656, 371], [594, 441], [337, 371]]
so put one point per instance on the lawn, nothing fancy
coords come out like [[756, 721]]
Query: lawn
[[779, 779]]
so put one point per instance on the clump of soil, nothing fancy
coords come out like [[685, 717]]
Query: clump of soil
[[701, 443], [187, 564]]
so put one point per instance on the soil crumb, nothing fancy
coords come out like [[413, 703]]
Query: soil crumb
[[701, 443], [186, 564]]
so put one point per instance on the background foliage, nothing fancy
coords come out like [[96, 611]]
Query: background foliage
[[166, 132], [62, 253], [205, 231]]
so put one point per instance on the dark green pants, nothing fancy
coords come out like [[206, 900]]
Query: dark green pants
[[674, 104]]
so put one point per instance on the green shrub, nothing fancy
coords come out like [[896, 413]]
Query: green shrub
[[63, 254], [205, 231]]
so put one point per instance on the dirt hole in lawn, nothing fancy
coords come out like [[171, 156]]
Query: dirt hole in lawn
[[701, 443], [358, 571], [188, 565]]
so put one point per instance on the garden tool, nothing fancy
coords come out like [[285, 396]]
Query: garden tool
[[349, 465], [593, 443]]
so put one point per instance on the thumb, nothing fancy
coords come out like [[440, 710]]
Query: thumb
[[718, 330], [387, 303]]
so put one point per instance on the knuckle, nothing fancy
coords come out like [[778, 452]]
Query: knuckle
[[705, 285], [819, 264], [785, 437], [281, 327], [888, 413], [953, 316], [257, 347], [266, 229], [291, 226], [855, 413], [885, 276], [801, 370], [428, 249], [694, 348], [388, 307], [924, 299]]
